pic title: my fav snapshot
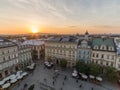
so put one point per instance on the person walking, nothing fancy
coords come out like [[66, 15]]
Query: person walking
[[76, 80], [53, 83], [63, 83]]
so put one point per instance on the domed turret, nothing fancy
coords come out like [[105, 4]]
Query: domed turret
[[86, 35]]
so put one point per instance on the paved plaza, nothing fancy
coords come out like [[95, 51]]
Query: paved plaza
[[46, 79]]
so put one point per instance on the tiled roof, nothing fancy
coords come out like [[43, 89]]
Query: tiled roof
[[103, 41], [6, 43]]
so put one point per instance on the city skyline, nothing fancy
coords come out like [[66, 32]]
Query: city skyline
[[59, 16]]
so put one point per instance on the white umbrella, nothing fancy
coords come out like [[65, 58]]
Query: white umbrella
[[6, 85], [84, 76], [24, 73], [99, 79], [2, 82], [20, 77], [91, 76], [13, 81], [13, 76], [19, 71], [6, 79], [74, 74]]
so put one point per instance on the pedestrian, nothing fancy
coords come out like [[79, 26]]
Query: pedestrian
[[63, 83], [44, 79], [80, 85], [61, 88], [76, 80], [18, 84], [53, 82], [65, 77], [92, 88]]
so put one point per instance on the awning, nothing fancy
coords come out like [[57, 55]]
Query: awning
[[91, 76], [6, 85], [99, 79], [84, 76], [13, 81], [2, 82]]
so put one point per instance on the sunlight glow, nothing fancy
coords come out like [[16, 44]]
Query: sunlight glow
[[34, 30]]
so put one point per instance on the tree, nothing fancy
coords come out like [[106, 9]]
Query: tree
[[31, 87], [81, 66], [95, 69], [63, 63], [111, 74]]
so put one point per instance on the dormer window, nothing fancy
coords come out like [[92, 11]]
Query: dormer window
[[110, 48], [103, 47], [96, 47]]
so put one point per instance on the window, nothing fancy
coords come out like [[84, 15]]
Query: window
[[112, 58], [96, 47], [111, 49], [103, 47], [97, 55], [101, 62], [93, 55], [102, 56], [112, 64], [107, 56], [107, 63], [119, 59]]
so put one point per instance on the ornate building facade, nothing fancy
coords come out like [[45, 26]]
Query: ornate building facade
[[62, 48], [104, 52]]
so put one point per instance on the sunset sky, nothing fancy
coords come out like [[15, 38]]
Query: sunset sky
[[59, 16]]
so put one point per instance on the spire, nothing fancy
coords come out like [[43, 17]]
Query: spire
[[86, 33]]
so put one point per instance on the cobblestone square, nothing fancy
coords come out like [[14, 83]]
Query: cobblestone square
[[43, 79]]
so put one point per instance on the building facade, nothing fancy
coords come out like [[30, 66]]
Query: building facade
[[38, 48], [62, 48], [8, 57], [104, 52], [24, 55], [84, 48], [84, 51]]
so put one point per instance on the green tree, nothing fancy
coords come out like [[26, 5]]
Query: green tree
[[63, 63], [95, 69], [82, 67], [111, 74]]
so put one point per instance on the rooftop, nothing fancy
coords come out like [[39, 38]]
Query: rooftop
[[34, 42], [64, 39], [6, 43]]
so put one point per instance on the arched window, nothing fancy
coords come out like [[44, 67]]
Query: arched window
[[96, 47], [110, 48], [103, 47]]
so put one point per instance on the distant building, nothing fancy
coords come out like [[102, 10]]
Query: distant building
[[117, 43], [104, 52], [38, 48], [62, 48]]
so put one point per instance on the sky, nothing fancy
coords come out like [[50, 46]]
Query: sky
[[60, 16]]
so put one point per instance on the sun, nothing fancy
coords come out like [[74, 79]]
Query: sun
[[34, 30]]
